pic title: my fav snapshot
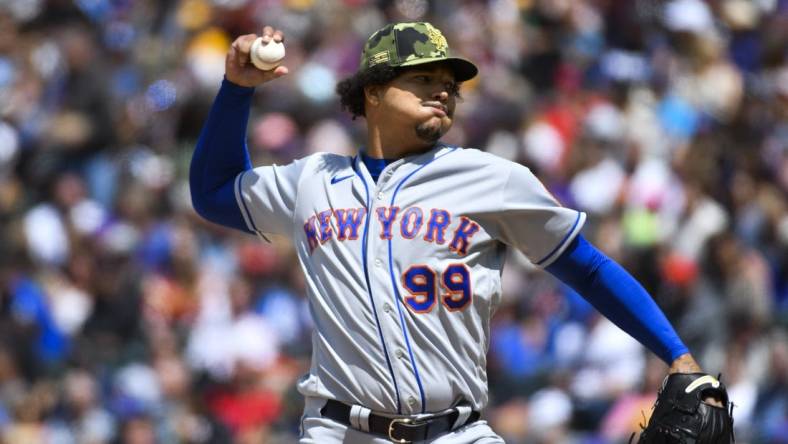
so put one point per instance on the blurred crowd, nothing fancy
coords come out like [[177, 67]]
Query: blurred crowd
[[125, 318]]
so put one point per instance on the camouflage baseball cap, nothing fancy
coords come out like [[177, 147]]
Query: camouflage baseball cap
[[411, 44]]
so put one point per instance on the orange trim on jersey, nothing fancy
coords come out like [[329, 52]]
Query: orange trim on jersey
[[310, 230], [349, 219], [413, 296], [404, 221], [437, 227], [461, 239], [451, 293], [390, 213], [326, 232]]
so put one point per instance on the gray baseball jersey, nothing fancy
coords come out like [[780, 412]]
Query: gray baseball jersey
[[403, 275]]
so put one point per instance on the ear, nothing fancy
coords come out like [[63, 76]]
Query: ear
[[372, 94]]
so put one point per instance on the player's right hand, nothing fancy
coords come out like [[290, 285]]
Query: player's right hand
[[238, 67]]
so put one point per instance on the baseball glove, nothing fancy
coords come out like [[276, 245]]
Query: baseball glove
[[682, 417]]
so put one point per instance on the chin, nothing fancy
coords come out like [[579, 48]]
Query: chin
[[430, 135], [431, 132]]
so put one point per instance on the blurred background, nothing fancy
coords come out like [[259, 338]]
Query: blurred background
[[125, 318]]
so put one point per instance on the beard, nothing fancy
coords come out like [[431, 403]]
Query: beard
[[429, 132]]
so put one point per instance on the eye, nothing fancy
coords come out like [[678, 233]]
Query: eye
[[422, 78]]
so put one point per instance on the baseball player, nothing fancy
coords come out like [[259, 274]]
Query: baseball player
[[402, 247]]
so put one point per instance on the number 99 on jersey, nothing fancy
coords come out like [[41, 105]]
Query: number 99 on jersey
[[422, 283]]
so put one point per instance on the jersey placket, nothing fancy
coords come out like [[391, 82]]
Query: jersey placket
[[390, 313], [388, 191]]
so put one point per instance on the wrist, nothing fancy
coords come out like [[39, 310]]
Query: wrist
[[232, 86], [685, 364]]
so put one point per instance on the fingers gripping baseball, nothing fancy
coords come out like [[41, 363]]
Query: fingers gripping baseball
[[239, 68]]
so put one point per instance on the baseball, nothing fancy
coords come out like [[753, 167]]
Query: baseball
[[266, 56]]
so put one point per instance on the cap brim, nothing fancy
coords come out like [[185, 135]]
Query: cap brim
[[463, 69]]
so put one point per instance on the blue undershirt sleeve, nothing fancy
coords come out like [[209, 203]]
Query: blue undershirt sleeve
[[618, 296], [220, 156]]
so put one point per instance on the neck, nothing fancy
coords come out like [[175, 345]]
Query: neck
[[382, 144]]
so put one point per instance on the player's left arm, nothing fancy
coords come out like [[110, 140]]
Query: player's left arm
[[619, 296], [679, 415], [530, 219]]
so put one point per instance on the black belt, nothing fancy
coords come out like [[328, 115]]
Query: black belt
[[399, 430]]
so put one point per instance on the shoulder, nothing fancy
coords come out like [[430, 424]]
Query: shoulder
[[318, 169], [474, 158], [304, 169], [511, 177], [323, 163]]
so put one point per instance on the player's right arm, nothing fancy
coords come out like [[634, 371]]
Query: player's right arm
[[221, 154]]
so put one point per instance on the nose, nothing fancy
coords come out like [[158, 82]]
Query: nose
[[442, 95]]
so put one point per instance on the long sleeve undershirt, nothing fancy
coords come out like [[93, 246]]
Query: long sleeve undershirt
[[221, 155], [618, 296]]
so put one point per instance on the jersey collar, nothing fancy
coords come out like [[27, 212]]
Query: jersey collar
[[416, 159]]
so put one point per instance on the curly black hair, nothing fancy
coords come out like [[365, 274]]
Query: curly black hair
[[351, 89]]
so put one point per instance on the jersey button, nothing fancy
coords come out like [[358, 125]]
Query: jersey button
[[380, 196], [399, 354], [411, 401], [387, 307], [378, 262]]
